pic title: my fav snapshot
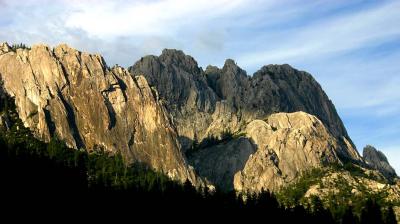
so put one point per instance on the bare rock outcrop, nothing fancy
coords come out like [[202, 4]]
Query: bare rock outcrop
[[75, 96]]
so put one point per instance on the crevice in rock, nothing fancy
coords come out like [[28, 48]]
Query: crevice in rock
[[111, 113], [72, 121], [49, 121]]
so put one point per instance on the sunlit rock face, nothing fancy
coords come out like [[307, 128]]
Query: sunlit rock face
[[288, 144], [75, 96]]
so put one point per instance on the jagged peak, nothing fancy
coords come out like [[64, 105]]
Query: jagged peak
[[378, 160], [369, 150], [178, 57]]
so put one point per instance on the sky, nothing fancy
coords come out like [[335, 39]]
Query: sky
[[351, 47]]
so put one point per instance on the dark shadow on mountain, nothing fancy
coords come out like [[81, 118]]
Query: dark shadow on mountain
[[218, 160]]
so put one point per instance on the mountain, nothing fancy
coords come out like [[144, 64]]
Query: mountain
[[285, 122], [217, 126], [276, 130], [76, 97]]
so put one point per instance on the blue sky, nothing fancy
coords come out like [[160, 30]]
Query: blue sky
[[352, 48]]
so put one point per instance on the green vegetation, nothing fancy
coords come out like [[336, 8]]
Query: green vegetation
[[343, 203], [293, 194]]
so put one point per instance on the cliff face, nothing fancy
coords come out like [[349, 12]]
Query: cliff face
[[275, 148], [73, 95]]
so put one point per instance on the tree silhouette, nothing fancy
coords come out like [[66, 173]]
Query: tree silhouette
[[348, 216], [372, 213]]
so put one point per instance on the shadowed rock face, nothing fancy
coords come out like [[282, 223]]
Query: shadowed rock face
[[220, 163], [378, 160], [73, 95]]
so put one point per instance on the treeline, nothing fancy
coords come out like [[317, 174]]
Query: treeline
[[14, 47], [48, 177]]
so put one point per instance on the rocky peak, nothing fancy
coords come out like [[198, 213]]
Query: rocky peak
[[378, 160], [228, 82]]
